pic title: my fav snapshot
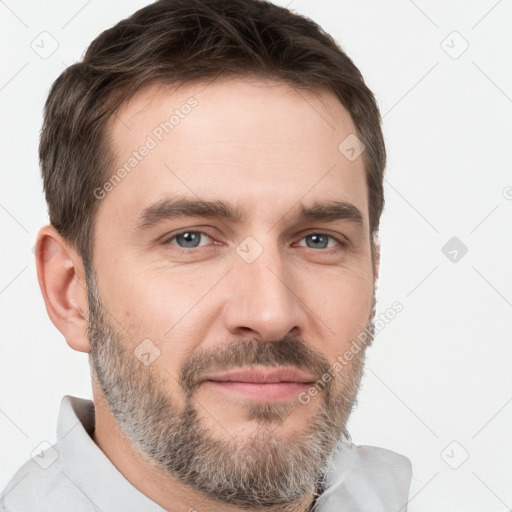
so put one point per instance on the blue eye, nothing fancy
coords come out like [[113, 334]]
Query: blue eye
[[320, 241], [188, 239], [196, 239]]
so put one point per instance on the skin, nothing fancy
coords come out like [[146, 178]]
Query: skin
[[265, 147]]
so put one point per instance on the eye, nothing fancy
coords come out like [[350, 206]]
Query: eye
[[322, 241], [193, 239], [188, 239]]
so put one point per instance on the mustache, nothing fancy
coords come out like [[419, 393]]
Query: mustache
[[250, 352]]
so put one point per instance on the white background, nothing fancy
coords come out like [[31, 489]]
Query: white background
[[440, 371]]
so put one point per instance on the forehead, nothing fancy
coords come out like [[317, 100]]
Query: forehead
[[264, 142]]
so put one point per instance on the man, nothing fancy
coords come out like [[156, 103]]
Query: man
[[214, 173]]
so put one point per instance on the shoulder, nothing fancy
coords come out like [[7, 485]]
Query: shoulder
[[366, 478], [43, 487], [376, 459]]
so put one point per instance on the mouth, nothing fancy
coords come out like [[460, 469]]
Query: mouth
[[261, 384]]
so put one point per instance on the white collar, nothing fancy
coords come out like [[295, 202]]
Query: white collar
[[360, 478]]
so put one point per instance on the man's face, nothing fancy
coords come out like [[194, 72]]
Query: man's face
[[261, 277]]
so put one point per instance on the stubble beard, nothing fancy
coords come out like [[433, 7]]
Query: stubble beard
[[267, 470]]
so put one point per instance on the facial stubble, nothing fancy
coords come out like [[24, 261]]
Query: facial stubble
[[267, 469]]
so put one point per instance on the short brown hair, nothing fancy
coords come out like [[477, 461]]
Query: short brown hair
[[175, 42]]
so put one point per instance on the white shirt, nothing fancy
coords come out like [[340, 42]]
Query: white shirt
[[74, 475]]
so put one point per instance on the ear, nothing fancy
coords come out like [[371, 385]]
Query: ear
[[62, 281]]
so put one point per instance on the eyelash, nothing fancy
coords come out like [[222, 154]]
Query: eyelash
[[342, 243]]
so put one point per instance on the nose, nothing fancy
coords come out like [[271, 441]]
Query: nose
[[264, 299]]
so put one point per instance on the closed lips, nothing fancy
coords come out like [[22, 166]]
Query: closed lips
[[258, 376]]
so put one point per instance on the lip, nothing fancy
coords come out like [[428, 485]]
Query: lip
[[261, 385], [262, 376]]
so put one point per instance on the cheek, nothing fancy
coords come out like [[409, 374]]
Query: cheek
[[155, 299], [343, 303], [163, 305]]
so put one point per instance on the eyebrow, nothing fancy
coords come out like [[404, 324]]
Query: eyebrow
[[168, 208]]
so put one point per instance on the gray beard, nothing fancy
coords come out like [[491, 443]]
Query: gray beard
[[266, 470]]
